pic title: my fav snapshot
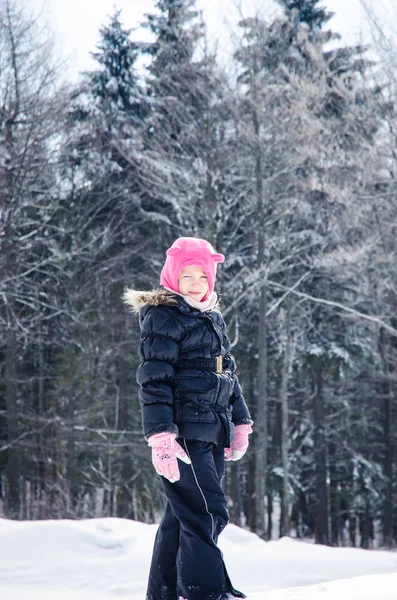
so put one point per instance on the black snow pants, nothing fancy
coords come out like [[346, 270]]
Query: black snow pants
[[186, 560]]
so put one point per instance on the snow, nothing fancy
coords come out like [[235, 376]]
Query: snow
[[108, 559]]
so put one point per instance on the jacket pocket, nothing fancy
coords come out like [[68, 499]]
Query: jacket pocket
[[196, 395], [192, 412]]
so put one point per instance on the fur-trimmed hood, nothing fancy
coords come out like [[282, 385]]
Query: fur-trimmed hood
[[137, 299]]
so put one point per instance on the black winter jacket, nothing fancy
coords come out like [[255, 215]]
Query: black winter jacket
[[180, 388]]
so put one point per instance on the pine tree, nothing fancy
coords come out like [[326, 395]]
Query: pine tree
[[178, 79], [32, 105], [185, 88], [109, 108], [340, 60], [311, 156], [112, 183], [309, 12], [116, 82]]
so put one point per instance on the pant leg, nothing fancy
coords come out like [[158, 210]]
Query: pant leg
[[162, 574], [200, 505], [219, 461]]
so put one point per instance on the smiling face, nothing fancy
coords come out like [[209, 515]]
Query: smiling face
[[193, 282]]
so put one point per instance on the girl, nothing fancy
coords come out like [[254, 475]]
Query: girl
[[194, 418]]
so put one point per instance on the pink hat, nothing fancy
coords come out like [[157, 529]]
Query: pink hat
[[185, 252]]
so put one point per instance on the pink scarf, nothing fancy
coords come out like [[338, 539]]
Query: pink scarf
[[207, 304]]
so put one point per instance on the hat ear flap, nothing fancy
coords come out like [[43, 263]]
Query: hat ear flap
[[173, 250], [217, 257]]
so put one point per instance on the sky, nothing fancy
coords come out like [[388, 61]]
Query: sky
[[108, 559], [76, 23]]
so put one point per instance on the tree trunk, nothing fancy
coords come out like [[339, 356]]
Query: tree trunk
[[208, 205], [334, 496], [366, 527], [353, 530], [385, 349], [284, 517], [71, 466], [236, 509], [321, 503], [249, 500], [388, 518], [261, 427], [125, 507], [13, 494]]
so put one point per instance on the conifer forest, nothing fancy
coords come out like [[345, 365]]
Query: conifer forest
[[285, 160]]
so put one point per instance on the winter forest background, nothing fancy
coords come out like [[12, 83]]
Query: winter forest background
[[287, 163]]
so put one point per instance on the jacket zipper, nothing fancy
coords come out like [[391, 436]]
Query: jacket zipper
[[225, 421], [216, 332]]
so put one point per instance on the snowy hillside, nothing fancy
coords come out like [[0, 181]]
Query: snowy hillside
[[108, 559]]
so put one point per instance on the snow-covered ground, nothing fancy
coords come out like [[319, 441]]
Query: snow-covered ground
[[108, 559]]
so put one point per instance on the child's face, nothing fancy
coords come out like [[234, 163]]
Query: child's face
[[193, 282]]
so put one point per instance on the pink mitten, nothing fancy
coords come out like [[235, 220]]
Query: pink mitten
[[165, 452], [240, 444]]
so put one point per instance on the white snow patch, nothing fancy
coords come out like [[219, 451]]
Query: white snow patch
[[108, 559]]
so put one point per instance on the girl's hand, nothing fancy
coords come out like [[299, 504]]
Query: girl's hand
[[165, 452], [240, 444]]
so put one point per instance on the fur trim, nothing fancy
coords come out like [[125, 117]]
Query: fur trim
[[161, 428], [245, 421], [137, 299]]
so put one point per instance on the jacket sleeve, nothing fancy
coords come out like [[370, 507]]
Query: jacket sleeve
[[240, 412], [158, 352]]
